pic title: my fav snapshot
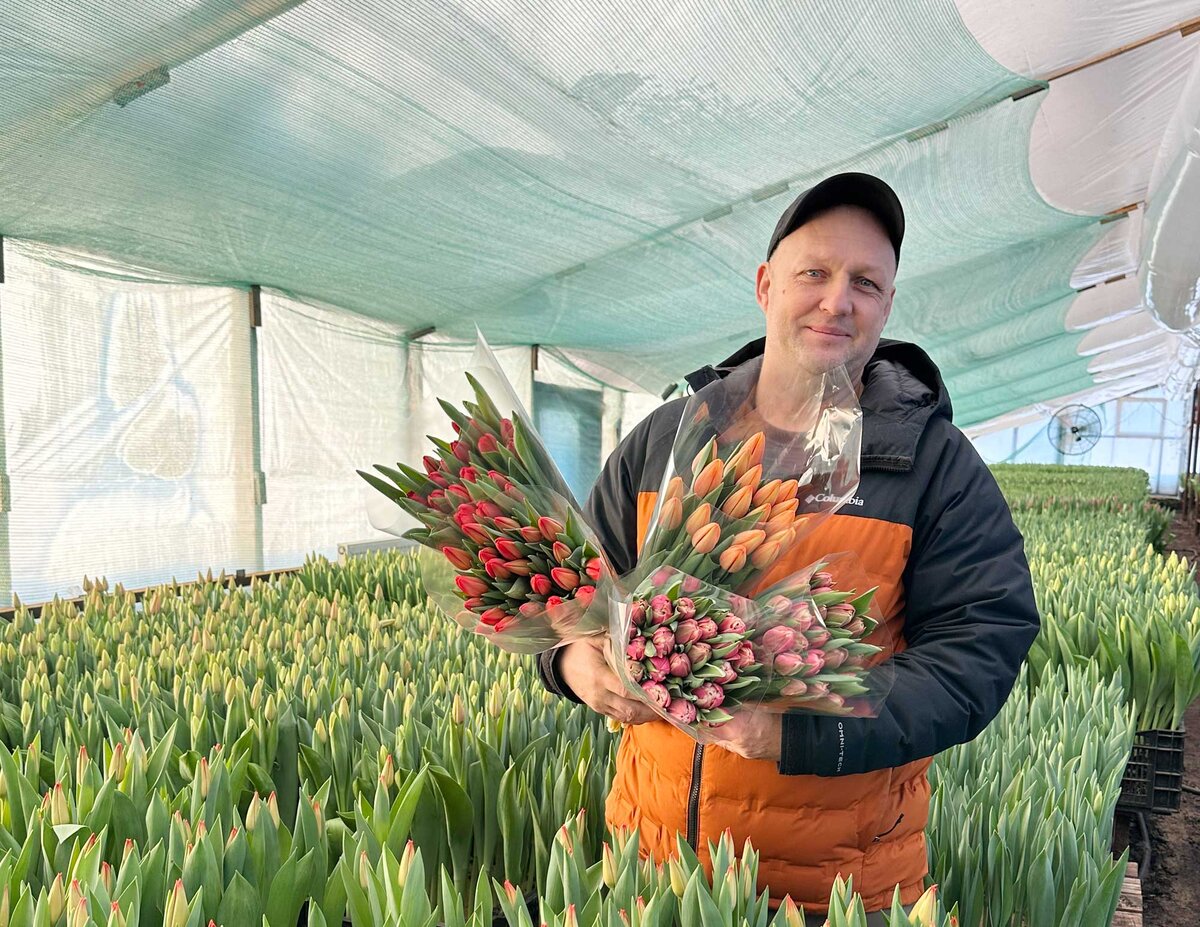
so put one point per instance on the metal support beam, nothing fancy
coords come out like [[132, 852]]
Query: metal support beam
[[6, 577], [255, 411]]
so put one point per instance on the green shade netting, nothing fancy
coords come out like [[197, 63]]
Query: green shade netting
[[599, 183]]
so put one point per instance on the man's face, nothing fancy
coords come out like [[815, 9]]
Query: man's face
[[827, 292]]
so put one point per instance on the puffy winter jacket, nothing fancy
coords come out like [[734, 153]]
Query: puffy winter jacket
[[934, 534]]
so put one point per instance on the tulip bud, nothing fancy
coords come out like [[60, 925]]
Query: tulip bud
[[706, 538], [406, 861], [766, 494], [738, 504], [508, 549], [657, 668], [698, 519], [205, 777], [540, 584], [750, 479], [709, 695], [656, 693], [708, 629], [594, 569], [663, 640], [530, 534], [59, 813], [733, 558], [766, 554], [273, 808], [787, 490], [364, 870], [750, 540], [856, 628], [458, 712], [817, 637], [678, 877], [560, 551], [476, 533], [791, 914], [687, 631], [753, 451], [699, 653], [661, 610], [682, 711], [814, 662], [788, 663], [924, 912], [57, 899], [679, 664], [550, 529], [671, 514], [471, 585], [608, 867], [493, 616], [731, 624], [497, 570], [487, 444], [564, 578], [460, 559], [710, 478], [778, 639], [636, 648]]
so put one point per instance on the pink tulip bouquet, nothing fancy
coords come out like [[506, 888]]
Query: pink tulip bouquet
[[709, 630]]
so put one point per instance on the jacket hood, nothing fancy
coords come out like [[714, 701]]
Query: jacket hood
[[902, 391]]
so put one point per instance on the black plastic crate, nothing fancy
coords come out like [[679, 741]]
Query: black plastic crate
[[1154, 774]]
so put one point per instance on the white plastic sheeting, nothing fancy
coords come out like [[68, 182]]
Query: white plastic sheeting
[[128, 437], [333, 400]]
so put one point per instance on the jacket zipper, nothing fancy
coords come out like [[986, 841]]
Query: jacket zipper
[[693, 806]]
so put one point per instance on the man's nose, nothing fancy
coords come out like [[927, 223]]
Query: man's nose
[[836, 298]]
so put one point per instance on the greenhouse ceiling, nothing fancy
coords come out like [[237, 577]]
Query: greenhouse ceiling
[[606, 183]]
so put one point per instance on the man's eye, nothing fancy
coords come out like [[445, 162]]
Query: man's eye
[[812, 273], [864, 281]]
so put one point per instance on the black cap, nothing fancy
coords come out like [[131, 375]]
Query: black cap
[[852, 189]]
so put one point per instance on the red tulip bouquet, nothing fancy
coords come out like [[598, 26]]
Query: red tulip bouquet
[[526, 570]]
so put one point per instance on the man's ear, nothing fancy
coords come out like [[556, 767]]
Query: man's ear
[[762, 285]]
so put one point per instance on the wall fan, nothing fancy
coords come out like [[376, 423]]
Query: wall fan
[[1074, 429]]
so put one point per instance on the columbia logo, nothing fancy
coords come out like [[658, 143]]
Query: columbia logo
[[826, 497]]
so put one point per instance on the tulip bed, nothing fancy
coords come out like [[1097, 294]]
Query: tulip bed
[[324, 747], [1106, 595], [328, 747]]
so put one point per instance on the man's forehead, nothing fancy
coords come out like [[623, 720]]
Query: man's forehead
[[846, 233]]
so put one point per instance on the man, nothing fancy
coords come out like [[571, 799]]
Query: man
[[822, 795]]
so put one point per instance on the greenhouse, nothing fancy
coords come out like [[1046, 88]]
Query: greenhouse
[[669, 465]]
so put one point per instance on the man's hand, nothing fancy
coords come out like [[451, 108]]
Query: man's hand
[[585, 669], [756, 735]]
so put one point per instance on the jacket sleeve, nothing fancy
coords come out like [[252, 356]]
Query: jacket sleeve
[[971, 618], [611, 510]]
